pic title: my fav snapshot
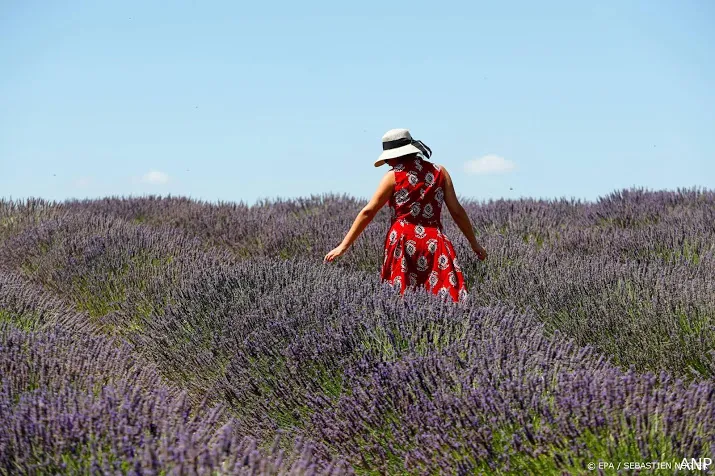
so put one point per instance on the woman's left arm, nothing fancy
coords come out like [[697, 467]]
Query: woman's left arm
[[378, 200]]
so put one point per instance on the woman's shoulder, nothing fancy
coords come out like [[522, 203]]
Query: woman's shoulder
[[441, 168]]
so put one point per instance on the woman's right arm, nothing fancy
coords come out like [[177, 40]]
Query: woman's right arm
[[460, 215]]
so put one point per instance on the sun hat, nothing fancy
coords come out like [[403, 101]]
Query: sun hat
[[399, 142]]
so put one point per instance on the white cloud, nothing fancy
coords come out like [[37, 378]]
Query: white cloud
[[155, 177], [489, 164], [83, 181]]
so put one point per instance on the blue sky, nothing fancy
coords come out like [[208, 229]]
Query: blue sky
[[236, 101]]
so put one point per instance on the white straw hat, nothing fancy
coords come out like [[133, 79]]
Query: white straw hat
[[397, 143]]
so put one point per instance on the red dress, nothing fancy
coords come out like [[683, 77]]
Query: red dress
[[417, 252]]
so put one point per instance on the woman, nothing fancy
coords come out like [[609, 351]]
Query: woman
[[417, 252]]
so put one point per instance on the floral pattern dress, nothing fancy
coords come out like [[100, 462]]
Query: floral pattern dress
[[417, 252]]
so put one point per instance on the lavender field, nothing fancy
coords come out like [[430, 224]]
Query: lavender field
[[170, 336]]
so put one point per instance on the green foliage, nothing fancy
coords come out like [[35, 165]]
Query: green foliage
[[28, 320]]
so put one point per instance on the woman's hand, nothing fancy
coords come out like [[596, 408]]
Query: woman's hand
[[481, 252], [338, 251]]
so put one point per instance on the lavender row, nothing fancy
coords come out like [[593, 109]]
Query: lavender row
[[75, 401], [412, 383], [502, 410], [74, 404], [100, 264], [29, 306]]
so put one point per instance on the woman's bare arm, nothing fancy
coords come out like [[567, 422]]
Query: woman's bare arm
[[365, 216], [458, 213]]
